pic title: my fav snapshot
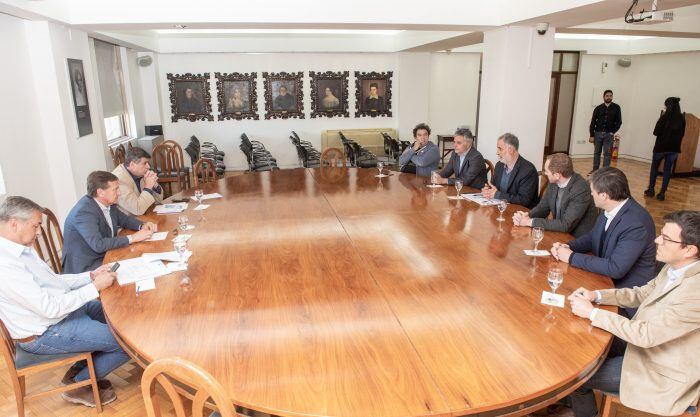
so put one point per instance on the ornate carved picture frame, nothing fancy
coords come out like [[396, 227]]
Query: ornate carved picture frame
[[373, 94], [237, 95], [284, 95], [329, 94], [189, 97]]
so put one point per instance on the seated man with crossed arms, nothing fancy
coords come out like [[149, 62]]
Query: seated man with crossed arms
[[660, 371]]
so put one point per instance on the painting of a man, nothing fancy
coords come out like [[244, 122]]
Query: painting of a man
[[189, 103], [374, 102], [284, 100]]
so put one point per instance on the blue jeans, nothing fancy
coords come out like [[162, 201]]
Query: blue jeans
[[607, 379], [669, 160], [84, 330], [603, 142]]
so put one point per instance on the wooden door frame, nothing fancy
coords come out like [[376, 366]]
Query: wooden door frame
[[549, 144]]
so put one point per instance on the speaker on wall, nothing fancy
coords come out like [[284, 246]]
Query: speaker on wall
[[154, 130]]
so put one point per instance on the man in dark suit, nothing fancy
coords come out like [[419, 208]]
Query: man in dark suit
[[622, 240], [568, 199], [515, 178], [466, 163], [92, 225]]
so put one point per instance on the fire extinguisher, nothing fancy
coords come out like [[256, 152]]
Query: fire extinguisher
[[615, 147]]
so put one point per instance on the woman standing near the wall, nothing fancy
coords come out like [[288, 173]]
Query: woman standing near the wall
[[669, 131]]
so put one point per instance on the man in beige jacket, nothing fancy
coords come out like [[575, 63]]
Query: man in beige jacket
[[660, 372], [138, 185]]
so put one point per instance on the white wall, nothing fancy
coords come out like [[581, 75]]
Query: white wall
[[640, 90], [420, 83]]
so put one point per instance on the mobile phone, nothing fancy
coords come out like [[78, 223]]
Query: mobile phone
[[181, 200], [114, 267]]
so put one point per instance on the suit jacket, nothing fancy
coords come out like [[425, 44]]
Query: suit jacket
[[472, 172], [130, 199], [87, 236], [626, 252], [660, 370], [578, 212], [522, 185]]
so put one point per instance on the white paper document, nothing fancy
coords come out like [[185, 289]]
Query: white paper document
[[201, 207], [170, 208], [434, 186], [182, 237], [171, 256], [556, 300], [138, 269], [145, 285], [208, 196], [175, 266], [480, 199], [157, 236], [538, 252], [454, 197]]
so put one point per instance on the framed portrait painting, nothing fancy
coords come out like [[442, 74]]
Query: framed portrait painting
[[237, 95], [329, 94], [189, 97], [373, 94], [80, 98], [284, 97]]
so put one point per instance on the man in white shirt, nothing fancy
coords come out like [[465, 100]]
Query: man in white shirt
[[659, 373], [47, 313]]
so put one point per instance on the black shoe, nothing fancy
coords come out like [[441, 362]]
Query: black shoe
[[649, 192], [661, 196]]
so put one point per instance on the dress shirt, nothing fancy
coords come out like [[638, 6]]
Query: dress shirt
[[108, 217], [462, 157], [568, 180], [32, 296], [612, 213], [607, 119]]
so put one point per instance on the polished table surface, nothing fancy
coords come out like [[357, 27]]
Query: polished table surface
[[327, 292]]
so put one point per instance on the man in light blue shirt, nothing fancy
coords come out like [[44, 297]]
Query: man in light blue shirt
[[423, 156], [47, 313]]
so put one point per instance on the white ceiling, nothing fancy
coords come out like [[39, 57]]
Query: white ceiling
[[347, 26]]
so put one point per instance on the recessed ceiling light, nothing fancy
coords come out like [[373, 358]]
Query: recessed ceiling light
[[596, 36], [281, 31], [180, 26]]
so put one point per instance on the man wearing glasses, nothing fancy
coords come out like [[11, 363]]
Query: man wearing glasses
[[663, 336]]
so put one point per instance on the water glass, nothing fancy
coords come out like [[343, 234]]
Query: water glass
[[458, 185], [380, 167], [182, 221], [198, 195], [537, 235], [502, 204], [433, 177], [181, 249], [555, 277]]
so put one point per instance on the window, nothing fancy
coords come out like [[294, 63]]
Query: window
[[114, 127], [112, 97]]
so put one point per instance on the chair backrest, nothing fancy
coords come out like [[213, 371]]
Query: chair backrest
[[544, 182], [164, 371], [331, 157], [49, 245], [129, 145], [490, 169], [167, 159], [206, 169], [118, 155]]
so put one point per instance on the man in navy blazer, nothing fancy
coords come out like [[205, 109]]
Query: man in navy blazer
[[466, 163], [515, 179], [622, 240], [92, 225]]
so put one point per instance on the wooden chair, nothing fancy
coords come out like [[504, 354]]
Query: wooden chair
[[118, 155], [544, 183], [204, 168], [611, 405], [129, 145], [49, 245], [21, 363], [331, 157], [168, 163], [491, 170], [171, 372]]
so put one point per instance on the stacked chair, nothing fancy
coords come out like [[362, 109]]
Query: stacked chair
[[356, 154], [259, 158], [207, 150], [393, 147], [309, 157]]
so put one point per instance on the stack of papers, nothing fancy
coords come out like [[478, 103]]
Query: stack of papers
[[138, 269], [480, 199], [157, 236], [170, 208], [208, 196]]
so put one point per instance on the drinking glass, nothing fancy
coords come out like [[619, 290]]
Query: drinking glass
[[537, 236], [458, 185], [433, 178], [380, 167], [181, 249], [555, 277], [182, 220], [198, 195], [502, 204]]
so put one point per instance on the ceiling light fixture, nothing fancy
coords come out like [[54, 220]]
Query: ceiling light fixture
[[280, 31], [597, 36]]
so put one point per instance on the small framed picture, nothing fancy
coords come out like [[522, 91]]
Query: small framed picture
[[189, 97], [329, 94], [284, 97], [80, 98], [373, 94], [237, 94]]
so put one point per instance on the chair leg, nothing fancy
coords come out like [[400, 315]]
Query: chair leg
[[607, 406], [93, 380], [19, 394]]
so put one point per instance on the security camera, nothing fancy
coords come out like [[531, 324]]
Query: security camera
[[542, 28]]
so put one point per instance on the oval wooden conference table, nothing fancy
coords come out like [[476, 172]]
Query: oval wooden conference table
[[327, 292]]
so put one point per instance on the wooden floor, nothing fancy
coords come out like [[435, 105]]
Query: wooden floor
[[683, 193]]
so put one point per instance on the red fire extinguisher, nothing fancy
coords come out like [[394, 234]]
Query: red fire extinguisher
[[615, 147]]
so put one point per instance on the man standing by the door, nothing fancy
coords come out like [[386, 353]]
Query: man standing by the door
[[606, 121]]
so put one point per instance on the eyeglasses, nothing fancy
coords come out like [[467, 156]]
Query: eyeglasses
[[667, 239]]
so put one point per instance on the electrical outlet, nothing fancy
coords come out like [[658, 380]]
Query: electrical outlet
[[581, 141]]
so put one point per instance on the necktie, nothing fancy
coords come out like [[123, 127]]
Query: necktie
[[557, 203]]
